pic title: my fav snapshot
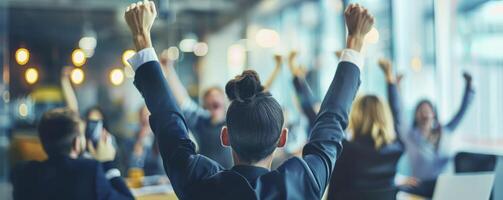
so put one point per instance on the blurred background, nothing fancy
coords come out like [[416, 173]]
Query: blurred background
[[431, 42]]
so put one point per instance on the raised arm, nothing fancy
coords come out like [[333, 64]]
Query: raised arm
[[192, 111], [275, 72], [325, 143], [465, 103], [393, 96], [68, 92], [182, 165], [302, 89], [179, 91]]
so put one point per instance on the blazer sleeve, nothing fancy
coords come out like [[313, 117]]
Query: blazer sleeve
[[395, 105], [114, 188], [465, 103], [306, 98], [325, 142], [181, 163]]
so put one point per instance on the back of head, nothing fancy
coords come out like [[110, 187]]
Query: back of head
[[254, 118], [370, 115], [57, 130]]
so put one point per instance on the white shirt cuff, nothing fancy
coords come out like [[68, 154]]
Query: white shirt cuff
[[352, 56], [112, 173], [142, 57]]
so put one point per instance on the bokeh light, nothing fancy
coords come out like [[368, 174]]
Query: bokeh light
[[22, 56], [78, 57], [187, 45], [372, 36], [31, 75], [200, 49], [77, 76], [116, 76], [127, 55], [23, 110], [267, 38]]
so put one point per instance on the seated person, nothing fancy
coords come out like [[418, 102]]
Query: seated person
[[368, 164], [254, 125], [144, 151], [64, 175]]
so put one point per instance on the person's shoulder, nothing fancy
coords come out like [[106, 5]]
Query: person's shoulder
[[26, 166], [226, 184], [85, 164]]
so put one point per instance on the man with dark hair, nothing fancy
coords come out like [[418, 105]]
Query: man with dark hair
[[63, 175]]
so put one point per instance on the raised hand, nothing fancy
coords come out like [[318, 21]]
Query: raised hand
[[140, 17], [359, 22], [387, 68], [105, 150], [278, 59], [468, 78], [294, 68]]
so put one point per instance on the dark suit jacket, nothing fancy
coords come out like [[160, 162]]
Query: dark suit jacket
[[65, 178], [363, 170], [194, 176]]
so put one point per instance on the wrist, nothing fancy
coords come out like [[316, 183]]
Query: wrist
[[107, 165], [354, 42], [142, 41]]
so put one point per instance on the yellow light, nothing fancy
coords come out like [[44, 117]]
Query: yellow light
[[31, 75], [416, 64], [127, 55], [267, 38], [22, 56], [200, 49], [78, 57], [23, 110], [77, 76], [116, 76], [373, 36]]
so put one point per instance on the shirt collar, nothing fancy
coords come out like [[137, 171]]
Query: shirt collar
[[250, 172]]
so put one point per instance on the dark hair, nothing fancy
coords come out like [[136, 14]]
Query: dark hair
[[429, 103], [437, 128], [254, 118], [57, 130], [100, 110]]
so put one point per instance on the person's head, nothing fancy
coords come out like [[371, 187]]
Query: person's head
[[60, 132], [425, 115], [214, 102], [94, 113], [254, 120], [370, 116]]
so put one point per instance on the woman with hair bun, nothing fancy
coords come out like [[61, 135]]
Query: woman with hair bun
[[254, 125]]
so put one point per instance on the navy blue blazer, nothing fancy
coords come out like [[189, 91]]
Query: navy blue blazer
[[194, 176], [65, 178]]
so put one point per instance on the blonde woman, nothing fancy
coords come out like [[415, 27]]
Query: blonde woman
[[367, 166]]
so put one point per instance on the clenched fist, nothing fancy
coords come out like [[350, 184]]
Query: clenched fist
[[359, 22], [140, 16]]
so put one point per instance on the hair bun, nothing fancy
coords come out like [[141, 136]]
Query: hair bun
[[244, 87]]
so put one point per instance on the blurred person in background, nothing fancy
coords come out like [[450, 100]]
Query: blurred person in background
[[427, 142], [368, 163], [206, 121], [144, 151], [64, 175], [255, 124], [310, 106]]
